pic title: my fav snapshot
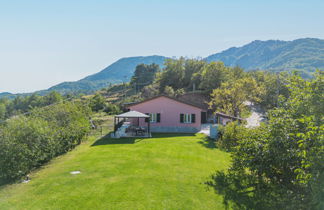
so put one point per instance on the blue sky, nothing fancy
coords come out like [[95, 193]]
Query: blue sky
[[43, 43]]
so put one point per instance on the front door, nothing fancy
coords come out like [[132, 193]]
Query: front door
[[203, 117]]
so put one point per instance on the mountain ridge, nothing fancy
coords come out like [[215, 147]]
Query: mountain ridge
[[305, 54], [275, 55]]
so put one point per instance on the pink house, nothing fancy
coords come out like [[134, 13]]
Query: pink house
[[168, 114]]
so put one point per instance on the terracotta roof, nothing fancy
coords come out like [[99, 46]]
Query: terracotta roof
[[172, 98], [197, 98]]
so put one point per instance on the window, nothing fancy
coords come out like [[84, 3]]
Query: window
[[155, 117], [187, 118]]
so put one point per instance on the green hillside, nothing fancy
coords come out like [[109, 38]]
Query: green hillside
[[305, 55], [274, 55], [120, 71]]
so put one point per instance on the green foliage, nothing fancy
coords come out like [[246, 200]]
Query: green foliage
[[179, 92], [150, 90], [192, 68], [168, 90], [21, 104], [26, 142], [144, 75], [51, 98], [180, 73], [2, 111], [97, 102], [272, 86], [173, 74], [112, 109], [230, 135], [212, 75], [305, 55], [280, 164], [230, 97], [189, 73]]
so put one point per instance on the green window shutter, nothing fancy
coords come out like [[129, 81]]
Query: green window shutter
[[193, 118], [158, 117], [181, 118], [147, 119]]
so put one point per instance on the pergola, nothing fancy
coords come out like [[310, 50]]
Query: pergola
[[131, 114]]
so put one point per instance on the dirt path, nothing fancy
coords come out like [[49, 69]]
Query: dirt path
[[256, 117]]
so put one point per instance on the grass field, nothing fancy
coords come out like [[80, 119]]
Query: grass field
[[164, 172]]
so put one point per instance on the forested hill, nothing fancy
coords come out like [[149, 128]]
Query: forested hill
[[120, 71], [123, 69], [274, 55]]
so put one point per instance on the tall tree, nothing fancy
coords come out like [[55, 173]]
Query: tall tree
[[192, 67], [173, 74], [212, 75], [273, 86], [230, 97], [144, 75]]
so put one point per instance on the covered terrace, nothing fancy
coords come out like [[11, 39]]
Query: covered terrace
[[132, 124]]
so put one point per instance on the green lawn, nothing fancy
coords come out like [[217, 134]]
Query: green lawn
[[164, 172]]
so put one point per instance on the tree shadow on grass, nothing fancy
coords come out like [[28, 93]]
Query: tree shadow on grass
[[3, 183], [208, 142], [171, 135], [106, 140]]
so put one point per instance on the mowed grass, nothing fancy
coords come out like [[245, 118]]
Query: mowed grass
[[164, 172]]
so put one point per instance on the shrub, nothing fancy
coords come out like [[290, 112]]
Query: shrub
[[230, 135], [26, 142], [112, 109]]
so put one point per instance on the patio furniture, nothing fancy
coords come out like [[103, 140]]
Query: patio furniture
[[140, 131]]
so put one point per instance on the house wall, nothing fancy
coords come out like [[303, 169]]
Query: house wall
[[170, 111]]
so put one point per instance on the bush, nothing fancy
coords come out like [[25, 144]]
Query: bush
[[97, 102], [112, 109], [27, 142], [230, 135]]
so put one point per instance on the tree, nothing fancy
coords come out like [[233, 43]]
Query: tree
[[212, 75], [150, 90], [192, 67], [3, 111], [144, 75], [230, 97], [236, 73], [280, 164], [97, 102], [112, 109], [273, 86], [172, 75], [230, 135], [168, 90], [52, 98]]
